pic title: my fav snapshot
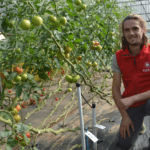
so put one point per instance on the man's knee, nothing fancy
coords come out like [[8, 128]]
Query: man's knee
[[125, 144]]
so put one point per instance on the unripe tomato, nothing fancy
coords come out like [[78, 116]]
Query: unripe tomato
[[63, 20], [37, 20], [75, 79], [79, 9], [67, 56], [69, 78], [18, 50], [77, 2], [17, 79], [24, 76], [17, 118], [83, 6], [67, 49], [14, 111], [25, 24], [22, 142], [69, 89], [94, 64], [52, 19], [99, 48]]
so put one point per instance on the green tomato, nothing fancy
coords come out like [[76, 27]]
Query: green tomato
[[69, 78], [69, 89], [77, 76], [94, 64], [25, 24], [96, 69], [89, 63], [52, 19], [14, 111], [75, 79], [83, 6], [98, 48], [37, 21], [77, 2], [11, 24], [24, 76], [17, 118], [23, 143], [79, 9], [67, 49], [18, 50], [17, 79], [63, 20]]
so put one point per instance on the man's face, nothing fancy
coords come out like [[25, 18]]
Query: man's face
[[133, 32]]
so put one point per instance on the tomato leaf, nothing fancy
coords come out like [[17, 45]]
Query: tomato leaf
[[26, 95], [11, 143], [18, 90], [21, 127], [13, 75], [30, 76], [5, 133]]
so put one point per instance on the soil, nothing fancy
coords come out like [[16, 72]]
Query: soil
[[67, 140]]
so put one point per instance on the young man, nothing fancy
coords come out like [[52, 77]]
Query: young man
[[132, 62]]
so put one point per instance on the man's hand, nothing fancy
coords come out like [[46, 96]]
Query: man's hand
[[126, 123], [127, 102]]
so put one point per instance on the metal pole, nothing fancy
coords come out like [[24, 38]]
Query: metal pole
[[94, 123], [81, 116]]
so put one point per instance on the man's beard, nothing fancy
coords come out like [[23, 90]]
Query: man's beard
[[134, 44]]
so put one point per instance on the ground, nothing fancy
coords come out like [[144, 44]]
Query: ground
[[66, 140]]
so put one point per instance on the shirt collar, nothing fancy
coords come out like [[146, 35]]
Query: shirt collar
[[127, 52]]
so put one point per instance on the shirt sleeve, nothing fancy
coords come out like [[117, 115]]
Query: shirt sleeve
[[114, 65]]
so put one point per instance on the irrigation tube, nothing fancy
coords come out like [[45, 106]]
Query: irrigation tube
[[81, 116]]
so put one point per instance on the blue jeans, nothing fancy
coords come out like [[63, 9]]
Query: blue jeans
[[137, 115]]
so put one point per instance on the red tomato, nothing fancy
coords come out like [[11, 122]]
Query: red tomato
[[56, 99], [28, 134], [18, 107]]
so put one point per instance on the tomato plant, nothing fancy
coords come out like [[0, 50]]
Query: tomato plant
[[38, 32]]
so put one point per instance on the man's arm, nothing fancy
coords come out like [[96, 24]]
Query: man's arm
[[116, 87], [141, 96], [117, 97]]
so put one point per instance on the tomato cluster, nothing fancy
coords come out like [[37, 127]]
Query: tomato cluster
[[15, 112], [21, 140]]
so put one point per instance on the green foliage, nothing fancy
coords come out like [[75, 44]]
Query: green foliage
[[39, 44]]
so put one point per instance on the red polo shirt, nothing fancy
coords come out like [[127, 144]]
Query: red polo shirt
[[135, 72]]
